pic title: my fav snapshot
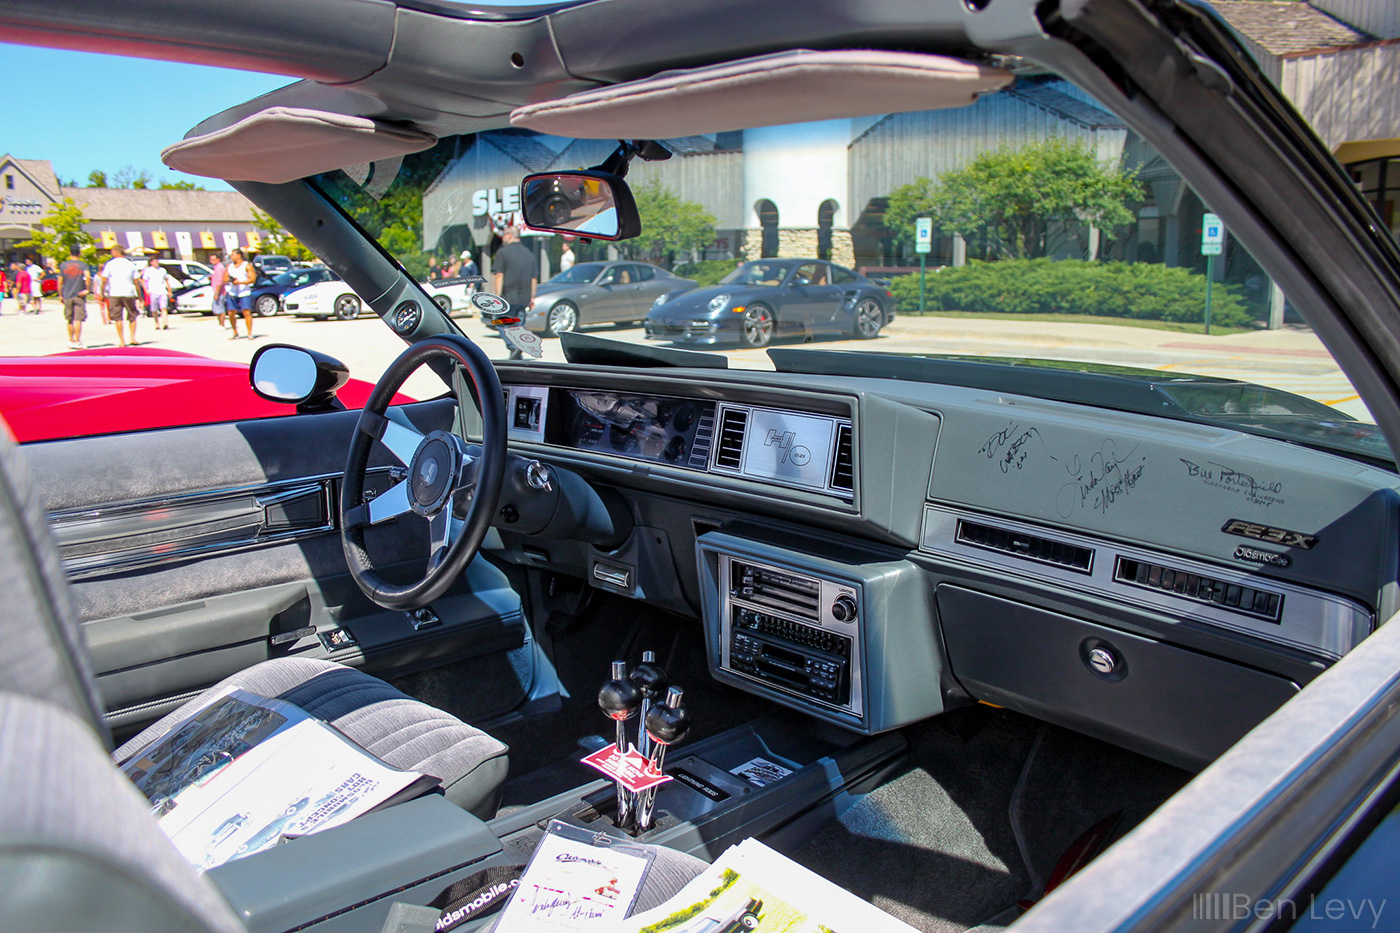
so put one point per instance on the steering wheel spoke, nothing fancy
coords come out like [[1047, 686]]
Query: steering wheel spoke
[[400, 437], [443, 530], [391, 503]]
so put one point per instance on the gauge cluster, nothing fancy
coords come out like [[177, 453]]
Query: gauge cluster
[[658, 429]]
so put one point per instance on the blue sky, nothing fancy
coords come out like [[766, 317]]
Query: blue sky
[[84, 111]]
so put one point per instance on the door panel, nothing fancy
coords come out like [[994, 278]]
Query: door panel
[[196, 552]]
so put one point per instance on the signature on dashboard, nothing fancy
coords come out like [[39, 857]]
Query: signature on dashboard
[[1100, 480], [1009, 446], [1220, 476]]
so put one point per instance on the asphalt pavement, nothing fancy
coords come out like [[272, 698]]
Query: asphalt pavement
[[1292, 358]]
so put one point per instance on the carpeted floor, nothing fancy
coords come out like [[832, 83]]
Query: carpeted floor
[[938, 845]]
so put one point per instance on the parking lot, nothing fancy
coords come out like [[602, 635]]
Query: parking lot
[[1292, 358]]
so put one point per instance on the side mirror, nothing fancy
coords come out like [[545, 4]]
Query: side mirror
[[304, 378], [593, 204]]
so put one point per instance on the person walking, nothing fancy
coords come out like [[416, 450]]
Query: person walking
[[36, 285], [516, 273], [74, 284], [22, 288], [118, 281], [566, 258], [218, 283], [241, 276], [158, 291]]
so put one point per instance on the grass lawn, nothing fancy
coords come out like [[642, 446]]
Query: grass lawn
[[1178, 326]]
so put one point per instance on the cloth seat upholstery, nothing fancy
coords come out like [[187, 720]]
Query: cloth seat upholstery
[[386, 722]]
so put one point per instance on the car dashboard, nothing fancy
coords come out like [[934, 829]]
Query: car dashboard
[[874, 552]]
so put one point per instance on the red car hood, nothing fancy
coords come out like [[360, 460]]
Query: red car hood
[[134, 389]]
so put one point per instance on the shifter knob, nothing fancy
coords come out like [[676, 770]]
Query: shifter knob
[[649, 677], [619, 697], [668, 723]]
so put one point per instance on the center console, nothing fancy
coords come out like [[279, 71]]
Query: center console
[[835, 630]]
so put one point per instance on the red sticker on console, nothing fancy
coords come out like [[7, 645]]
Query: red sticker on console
[[633, 770]]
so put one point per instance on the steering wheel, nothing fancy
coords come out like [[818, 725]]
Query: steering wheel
[[443, 472]]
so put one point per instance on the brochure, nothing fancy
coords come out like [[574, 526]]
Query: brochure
[[244, 773], [576, 881], [751, 887]]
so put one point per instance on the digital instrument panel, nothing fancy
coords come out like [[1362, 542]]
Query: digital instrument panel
[[802, 450], [657, 429]]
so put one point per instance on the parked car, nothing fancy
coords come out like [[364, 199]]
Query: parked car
[[770, 298], [267, 294], [600, 293], [271, 265], [331, 298], [948, 627], [112, 390]]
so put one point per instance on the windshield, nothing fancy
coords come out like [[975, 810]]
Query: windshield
[[756, 273], [578, 275]]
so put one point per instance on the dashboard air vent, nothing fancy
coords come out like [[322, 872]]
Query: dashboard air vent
[[729, 454], [841, 473], [1256, 602], [1031, 547]]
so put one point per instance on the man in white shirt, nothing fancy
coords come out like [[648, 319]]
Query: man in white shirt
[[157, 283], [118, 283], [36, 286]]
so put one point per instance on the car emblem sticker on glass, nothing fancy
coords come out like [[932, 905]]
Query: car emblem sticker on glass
[[524, 341], [490, 305], [406, 317]]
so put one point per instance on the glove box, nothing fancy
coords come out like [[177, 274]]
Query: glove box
[[1168, 702]]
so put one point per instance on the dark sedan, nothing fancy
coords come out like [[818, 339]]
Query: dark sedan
[[770, 298], [600, 293]]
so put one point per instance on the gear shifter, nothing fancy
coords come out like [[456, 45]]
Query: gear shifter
[[651, 680], [667, 723], [621, 699]]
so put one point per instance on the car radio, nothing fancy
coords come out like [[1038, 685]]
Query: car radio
[[792, 632]]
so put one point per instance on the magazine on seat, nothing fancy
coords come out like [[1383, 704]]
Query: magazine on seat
[[244, 772]]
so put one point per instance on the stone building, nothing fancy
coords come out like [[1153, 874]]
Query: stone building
[[171, 223]]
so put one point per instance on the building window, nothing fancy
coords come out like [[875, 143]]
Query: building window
[[1379, 181], [10, 182], [768, 223]]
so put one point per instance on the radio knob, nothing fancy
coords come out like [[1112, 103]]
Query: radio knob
[[843, 609]]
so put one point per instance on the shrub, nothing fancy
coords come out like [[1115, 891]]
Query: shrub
[[709, 271], [1143, 291]]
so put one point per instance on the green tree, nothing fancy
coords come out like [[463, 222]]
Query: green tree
[[129, 176], [97, 179], [179, 186], [1021, 195], [670, 225], [62, 231], [276, 241]]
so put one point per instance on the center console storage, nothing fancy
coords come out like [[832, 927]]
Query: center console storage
[[834, 631]]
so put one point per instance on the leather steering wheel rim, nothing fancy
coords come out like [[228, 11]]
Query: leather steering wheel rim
[[355, 515]]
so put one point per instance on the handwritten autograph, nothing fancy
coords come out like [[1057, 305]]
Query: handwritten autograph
[[1008, 447], [1228, 478], [1100, 480]]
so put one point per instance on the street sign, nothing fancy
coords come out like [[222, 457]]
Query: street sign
[[923, 234], [1212, 235]]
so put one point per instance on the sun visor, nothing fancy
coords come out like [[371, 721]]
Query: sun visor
[[282, 144], [790, 87]]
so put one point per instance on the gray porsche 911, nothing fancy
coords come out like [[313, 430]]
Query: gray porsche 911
[[770, 298]]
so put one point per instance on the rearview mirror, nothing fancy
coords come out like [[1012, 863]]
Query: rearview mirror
[[592, 204], [304, 378]]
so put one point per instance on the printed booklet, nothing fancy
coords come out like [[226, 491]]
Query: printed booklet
[[244, 773], [751, 887]]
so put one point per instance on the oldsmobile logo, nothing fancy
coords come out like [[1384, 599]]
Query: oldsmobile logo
[[1268, 533], [1256, 555]]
